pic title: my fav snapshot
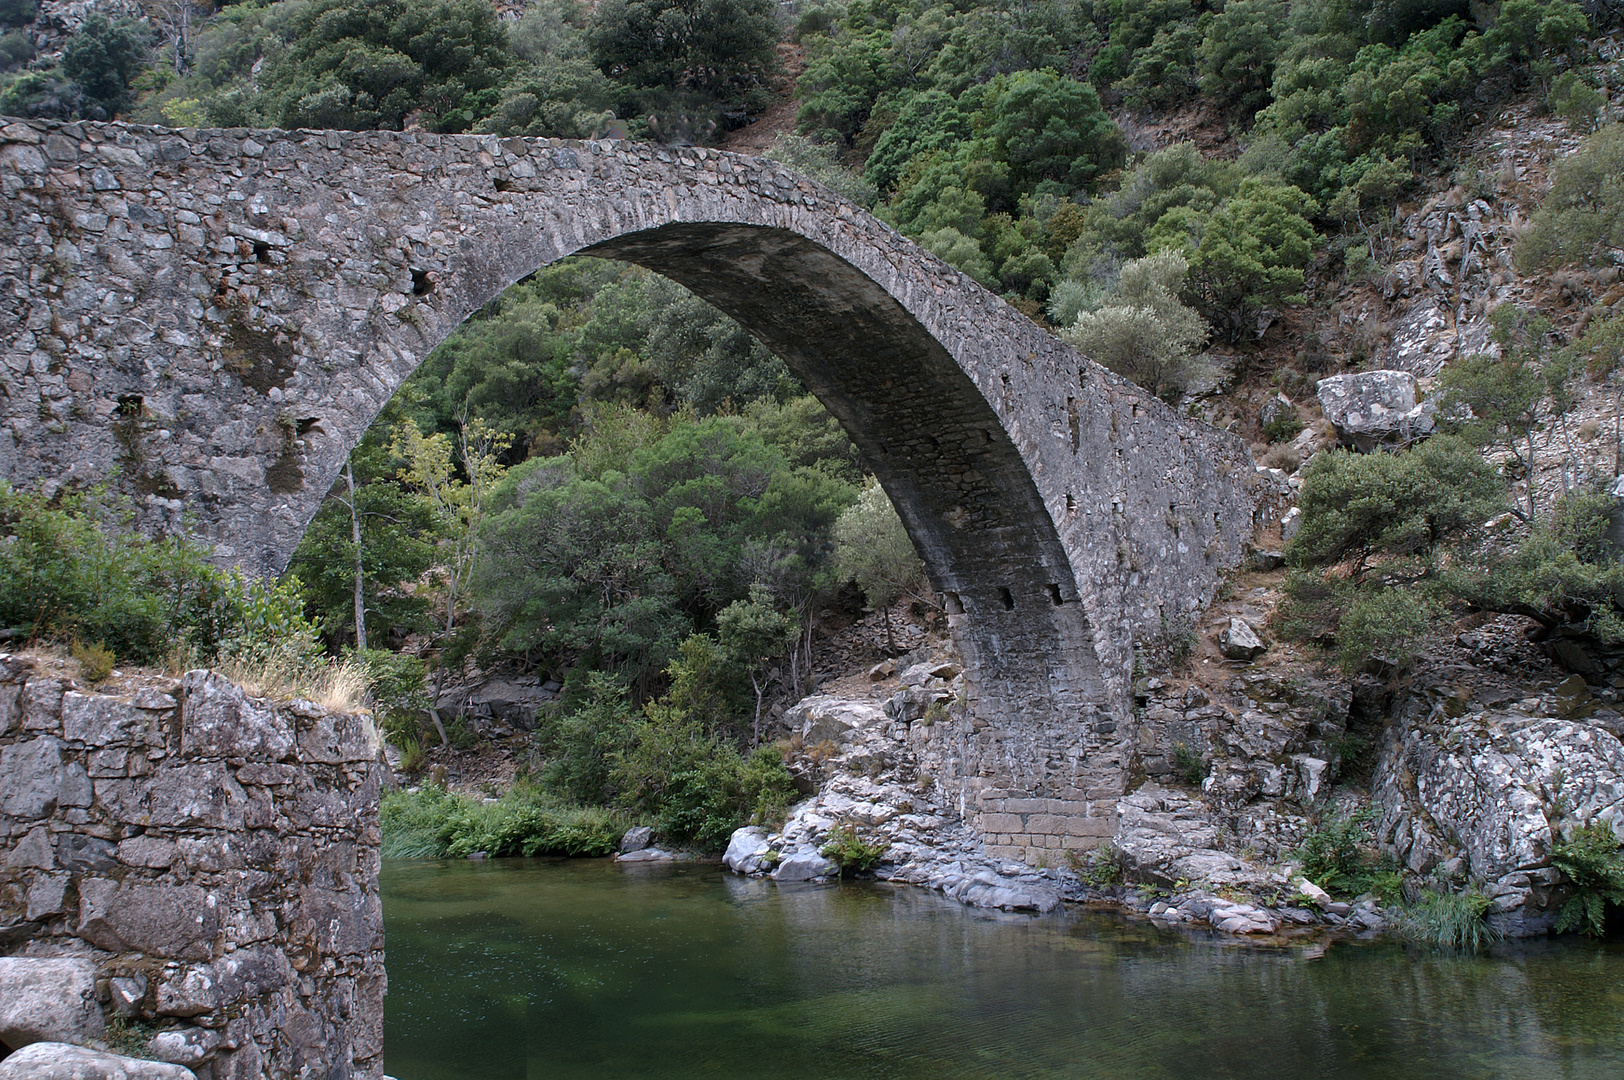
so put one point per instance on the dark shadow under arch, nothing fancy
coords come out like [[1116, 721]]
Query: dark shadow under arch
[[937, 446]]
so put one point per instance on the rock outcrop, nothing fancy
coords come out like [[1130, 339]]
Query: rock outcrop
[[1484, 795], [864, 761]]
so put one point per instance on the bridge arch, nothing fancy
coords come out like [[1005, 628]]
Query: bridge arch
[[222, 315]]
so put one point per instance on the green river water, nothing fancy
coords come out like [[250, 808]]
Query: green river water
[[536, 968]]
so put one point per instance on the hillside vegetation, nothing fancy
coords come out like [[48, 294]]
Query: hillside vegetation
[[601, 479]]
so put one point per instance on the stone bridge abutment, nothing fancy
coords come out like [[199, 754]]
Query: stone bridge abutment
[[220, 315]]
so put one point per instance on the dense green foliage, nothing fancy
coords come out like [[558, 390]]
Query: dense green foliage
[[1338, 857], [432, 823], [1383, 520], [646, 531], [873, 549], [71, 569], [715, 50], [1582, 220], [442, 65]]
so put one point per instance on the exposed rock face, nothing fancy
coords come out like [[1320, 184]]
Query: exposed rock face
[[1373, 408], [1490, 792], [498, 707], [62, 1061], [1265, 755], [870, 779], [243, 304], [213, 857]]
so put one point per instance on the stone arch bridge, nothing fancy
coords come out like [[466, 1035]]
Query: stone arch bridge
[[220, 315]]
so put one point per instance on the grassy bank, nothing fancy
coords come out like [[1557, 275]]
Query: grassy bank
[[433, 823]]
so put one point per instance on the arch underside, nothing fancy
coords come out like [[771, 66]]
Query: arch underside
[[942, 454]]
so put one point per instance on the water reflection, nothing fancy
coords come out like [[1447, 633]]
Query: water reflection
[[586, 969]]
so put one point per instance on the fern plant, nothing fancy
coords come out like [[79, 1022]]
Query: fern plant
[[1592, 859]]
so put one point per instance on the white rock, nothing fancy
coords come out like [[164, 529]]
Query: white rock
[[745, 850], [804, 864], [48, 1000], [61, 1061], [1238, 641], [1370, 408]]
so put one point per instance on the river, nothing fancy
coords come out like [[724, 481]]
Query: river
[[565, 969]]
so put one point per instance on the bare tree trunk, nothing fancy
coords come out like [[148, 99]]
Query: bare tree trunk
[[355, 535], [755, 727], [1533, 509], [434, 702]]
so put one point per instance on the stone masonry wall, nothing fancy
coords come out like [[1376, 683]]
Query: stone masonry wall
[[213, 855], [216, 318]]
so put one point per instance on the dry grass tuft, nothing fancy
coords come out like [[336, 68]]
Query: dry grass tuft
[[336, 687]]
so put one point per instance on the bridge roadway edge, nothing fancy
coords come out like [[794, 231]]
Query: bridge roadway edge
[[221, 314]]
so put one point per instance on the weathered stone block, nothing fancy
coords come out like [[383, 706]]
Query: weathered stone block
[[62, 1061], [219, 720], [338, 738], [178, 796], [47, 896], [34, 850], [149, 851], [47, 1000], [172, 921], [31, 776], [339, 923], [248, 973], [99, 720], [188, 991], [42, 704], [11, 711]]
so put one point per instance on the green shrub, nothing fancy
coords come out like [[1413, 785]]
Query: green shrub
[[1582, 220], [72, 568], [681, 768], [767, 787], [1334, 856], [1385, 624], [397, 687], [851, 852], [1451, 920], [1593, 862], [1283, 428], [433, 823], [1099, 866], [582, 742], [1370, 507], [1190, 765], [1142, 332], [95, 661]]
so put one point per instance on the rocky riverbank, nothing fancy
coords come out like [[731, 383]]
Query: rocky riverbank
[[1462, 776]]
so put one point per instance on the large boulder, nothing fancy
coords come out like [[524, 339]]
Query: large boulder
[[831, 719], [747, 850], [61, 1061], [1370, 409], [1238, 641], [804, 864], [1491, 794], [48, 1000]]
